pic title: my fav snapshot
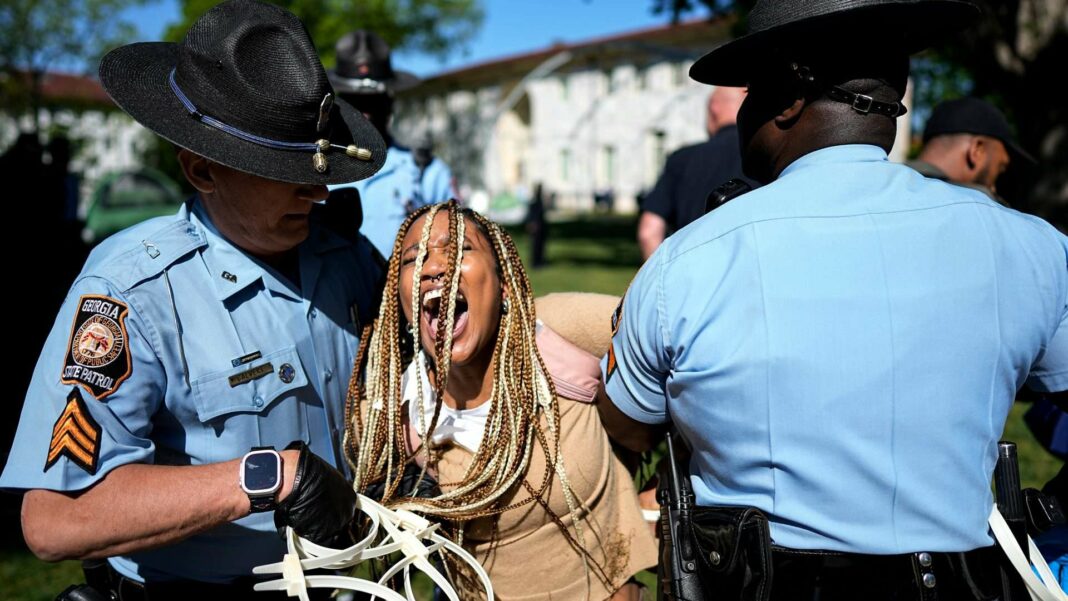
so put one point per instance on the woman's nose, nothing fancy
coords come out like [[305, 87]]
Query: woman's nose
[[434, 266]]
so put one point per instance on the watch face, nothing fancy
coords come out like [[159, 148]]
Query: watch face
[[261, 472]]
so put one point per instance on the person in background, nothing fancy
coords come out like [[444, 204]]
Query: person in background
[[692, 172], [968, 141], [537, 226], [366, 79]]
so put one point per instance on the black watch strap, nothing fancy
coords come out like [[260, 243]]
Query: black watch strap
[[261, 504]]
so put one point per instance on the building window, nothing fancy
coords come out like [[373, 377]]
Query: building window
[[565, 87], [565, 165], [682, 72], [608, 84], [641, 78], [608, 165]]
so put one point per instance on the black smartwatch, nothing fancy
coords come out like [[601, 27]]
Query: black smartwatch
[[261, 478]]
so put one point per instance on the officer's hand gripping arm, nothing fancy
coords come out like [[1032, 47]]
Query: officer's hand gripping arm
[[322, 503]]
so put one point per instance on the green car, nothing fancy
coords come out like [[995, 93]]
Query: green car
[[124, 198]]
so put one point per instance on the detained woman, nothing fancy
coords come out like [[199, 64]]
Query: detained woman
[[460, 380]]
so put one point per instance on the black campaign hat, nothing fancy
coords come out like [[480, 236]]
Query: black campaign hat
[[364, 66], [246, 89], [916, 24], [971, 115]]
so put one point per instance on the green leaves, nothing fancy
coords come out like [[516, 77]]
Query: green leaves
[[38, 35], [437, 27]]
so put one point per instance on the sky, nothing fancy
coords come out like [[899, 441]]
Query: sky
[[509, 27]]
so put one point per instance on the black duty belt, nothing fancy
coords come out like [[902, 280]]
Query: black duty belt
[[831, 576]]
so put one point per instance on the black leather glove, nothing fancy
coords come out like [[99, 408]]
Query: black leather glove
[[425, 487], [322, 503]]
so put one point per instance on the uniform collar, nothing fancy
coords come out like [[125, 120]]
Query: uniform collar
[[844, 153], [231, 269]]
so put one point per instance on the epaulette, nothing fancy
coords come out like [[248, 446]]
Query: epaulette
[[153, 253]]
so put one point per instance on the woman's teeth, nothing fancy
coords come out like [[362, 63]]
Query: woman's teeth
[[432, 310]]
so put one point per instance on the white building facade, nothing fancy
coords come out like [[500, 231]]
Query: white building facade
[[582, 119]]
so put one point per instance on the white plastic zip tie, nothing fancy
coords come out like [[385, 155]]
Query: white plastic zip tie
[[1046, 589], [391, 531]]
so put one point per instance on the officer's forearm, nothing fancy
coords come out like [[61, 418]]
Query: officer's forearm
[[629, 433], [137, 507], [651, 231]]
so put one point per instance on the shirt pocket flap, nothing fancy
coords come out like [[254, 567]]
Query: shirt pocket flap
[[249, 388]]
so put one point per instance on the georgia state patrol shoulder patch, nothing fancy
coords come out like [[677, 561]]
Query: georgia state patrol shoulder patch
[[617, 316], [98, 353], [76, 435]]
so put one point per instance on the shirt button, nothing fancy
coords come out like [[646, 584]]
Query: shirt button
[[258, 401], [314, 313], [328, 374]]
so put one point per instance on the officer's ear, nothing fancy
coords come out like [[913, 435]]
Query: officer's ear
[[797, 89], [975, 154], [196, 171], [789, 115]]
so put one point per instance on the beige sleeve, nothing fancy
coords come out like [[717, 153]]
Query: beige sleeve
[[583, 318]]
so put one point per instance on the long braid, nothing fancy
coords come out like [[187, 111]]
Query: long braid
[[524, 409]]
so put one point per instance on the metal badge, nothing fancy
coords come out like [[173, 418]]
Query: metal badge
[[286, 373], [229, 277], [324, 113]]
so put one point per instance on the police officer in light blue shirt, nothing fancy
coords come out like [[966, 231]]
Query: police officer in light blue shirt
[[365, 78], [192, 349], [841, 347]]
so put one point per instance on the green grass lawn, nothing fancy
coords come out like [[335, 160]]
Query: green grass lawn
[[596, 255]]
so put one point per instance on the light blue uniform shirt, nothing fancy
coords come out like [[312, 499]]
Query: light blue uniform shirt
[[197, 312], [841, 349], [397, 189]]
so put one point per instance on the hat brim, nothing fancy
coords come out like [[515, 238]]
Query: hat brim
[[136, 78], [400, 82], [1017, 151], [921, 24]]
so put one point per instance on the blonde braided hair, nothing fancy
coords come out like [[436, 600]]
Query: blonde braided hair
[[522, 397]]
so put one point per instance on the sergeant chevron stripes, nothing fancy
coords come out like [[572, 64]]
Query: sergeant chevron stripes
[[75, 435]]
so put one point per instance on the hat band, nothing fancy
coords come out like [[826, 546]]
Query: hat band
[[864, 104], [364, 85], [233, 131], [318, 147]]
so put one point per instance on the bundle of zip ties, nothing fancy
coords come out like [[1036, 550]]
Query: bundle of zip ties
[[390, 532]]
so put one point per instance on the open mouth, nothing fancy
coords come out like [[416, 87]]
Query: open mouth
[[432, 312]]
